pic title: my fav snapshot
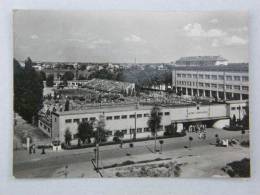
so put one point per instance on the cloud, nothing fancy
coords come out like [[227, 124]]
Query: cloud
[[196, 30], [34, 36], [233, 40], [236, 40], [213, 21], [133, 38], [90, 43]]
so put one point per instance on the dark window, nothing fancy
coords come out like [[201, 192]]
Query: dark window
[[85, 119], [92, 118], [76, 120], [139, 115], [233, 108], [109, 133], [146, 129], [139, 130], [146, 115], [123, 116], [160, 114], [167, 113], [109, 117], [132, 116], [124, 131], [68, 121], [116, 117]]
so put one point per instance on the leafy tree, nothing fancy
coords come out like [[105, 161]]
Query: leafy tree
[[85, 131], [67, 137], [67, 105], [154, 123], [81, 77], [43, 75], [68, 76], [50, 80], [118, 136], [28, 91], [100, 133]]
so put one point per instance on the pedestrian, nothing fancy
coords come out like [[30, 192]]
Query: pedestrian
[[30, 150], [34, 148]]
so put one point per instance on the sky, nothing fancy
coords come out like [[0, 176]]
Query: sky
[[128, 36]]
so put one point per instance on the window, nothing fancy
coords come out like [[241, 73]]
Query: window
[[188, 75], [76, 120], [92, 118], [116, 117], [214, 77], [146, 129], [229, 78], [160, 113], [183, 75], [201, 76], [109, 133], [146, 114], [68, 121], [244, 78], [109, 117], [49, 130], [132, 116], [139, 130], [124, 131], [84, 119], [237, 87], [245, 88], [55, 119], [75, 136], [233, 108], [220, 77], [178, 75], [214, 85], [167, 113], [237, 78], [207, 84], [194, 76], [123, 116], [132, 131], [139, 115], [201, 84], [228, 86], [207, 76], [40, 123], [221, 86]]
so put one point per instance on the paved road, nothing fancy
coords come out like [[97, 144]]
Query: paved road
[[45, 167]]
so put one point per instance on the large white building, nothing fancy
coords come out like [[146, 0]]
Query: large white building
[[224, 82], [132, 119]]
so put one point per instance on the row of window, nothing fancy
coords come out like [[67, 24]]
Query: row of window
[[213, 77], [212, 85], [238, 108], [45, 127], [131, 131], [117, 117]]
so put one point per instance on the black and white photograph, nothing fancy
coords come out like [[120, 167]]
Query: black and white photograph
[[127, 94]]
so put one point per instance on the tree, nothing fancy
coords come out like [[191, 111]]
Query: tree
[[154, 123], [81, 77], [50, 80], [85, 131], [43, 75], [67, 137], [118, 136], [100, 133], [67, 105], [28, 91], [68, 76]]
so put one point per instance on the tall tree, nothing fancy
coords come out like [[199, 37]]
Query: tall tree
[[28, 91], [50, 80], [85, 131], [68, 76], [154, 123]]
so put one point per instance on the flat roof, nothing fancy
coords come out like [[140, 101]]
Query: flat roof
[[124, 108]]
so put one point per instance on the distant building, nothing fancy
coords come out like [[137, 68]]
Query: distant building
[[224, 82], [201, 61]]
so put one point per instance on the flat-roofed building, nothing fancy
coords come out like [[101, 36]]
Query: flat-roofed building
[[224, 82], [132, 119], [201, 61]]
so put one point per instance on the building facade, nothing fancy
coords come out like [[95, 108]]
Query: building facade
[[132, 119], [229, 82]]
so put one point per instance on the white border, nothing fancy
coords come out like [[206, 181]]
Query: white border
[[8, 185]]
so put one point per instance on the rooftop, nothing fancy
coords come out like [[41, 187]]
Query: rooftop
[[201, 58], [232, 67]]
